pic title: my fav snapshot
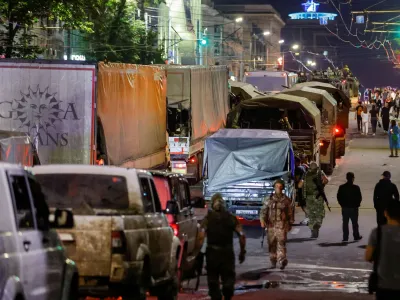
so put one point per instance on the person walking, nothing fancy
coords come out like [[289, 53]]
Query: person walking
[[394, 133], [349, 198], [385, 117], [379, 102], [366, 119], [299, 174], [218, 226], [314, 183], [383, 250], [385, 192], [359, 110], [277, 217], [374, 113]]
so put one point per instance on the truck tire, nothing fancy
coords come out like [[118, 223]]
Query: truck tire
[[342, 147], [327, 168]]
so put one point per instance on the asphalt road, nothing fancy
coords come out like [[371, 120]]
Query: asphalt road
[[320, 269]]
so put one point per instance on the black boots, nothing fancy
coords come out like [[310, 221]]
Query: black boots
[[315, 232]]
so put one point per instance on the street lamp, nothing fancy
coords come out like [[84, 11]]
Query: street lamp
[[295, 47], [281, 41], [267, 33], [238, 20]]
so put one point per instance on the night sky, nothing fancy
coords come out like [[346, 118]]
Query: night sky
[[371, 66]]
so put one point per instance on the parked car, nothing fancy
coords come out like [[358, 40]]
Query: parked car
[[33, 263], [122, 242], [174, 193]]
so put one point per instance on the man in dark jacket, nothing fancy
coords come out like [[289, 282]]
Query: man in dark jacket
[[349, 197], [385, 192], [219, 226]]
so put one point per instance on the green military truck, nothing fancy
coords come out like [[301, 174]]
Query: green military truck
[[328, 108]]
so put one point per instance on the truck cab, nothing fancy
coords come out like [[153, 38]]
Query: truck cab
[[271, 81], [242, 165]]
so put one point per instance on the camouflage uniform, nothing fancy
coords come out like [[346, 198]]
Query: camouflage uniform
[[220, 256], [314, 203], [277, 214]]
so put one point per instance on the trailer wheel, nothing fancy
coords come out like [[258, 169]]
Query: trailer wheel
[[337, 149], [342, 147]]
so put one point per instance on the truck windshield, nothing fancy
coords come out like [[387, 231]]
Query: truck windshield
[[84, 191], [267, 84]]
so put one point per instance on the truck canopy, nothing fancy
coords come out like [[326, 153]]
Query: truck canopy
[[339, 95], [324, 101], [203, 91], [234, 156], [244, 90], [132, 108], [265, 113]]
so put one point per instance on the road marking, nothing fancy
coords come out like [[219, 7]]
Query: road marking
[[301, 266], [295, 231]]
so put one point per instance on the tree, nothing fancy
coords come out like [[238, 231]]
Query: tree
[[118, 36], [18, 18]]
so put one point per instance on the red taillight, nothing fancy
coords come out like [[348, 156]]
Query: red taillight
[[175, 228], [192, 160], [117, 241], [321, 143]]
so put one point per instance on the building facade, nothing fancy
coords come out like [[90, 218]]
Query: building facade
[[260, 33]]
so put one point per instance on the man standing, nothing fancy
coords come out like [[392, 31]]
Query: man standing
[[359, 110], [314, 183], [349, 197], [219, 226], [277, 216], [384, 193], [299, 173]]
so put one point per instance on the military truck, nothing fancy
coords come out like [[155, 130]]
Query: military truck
[[296, 115], [242, 165], [343, 108], [328, 108]]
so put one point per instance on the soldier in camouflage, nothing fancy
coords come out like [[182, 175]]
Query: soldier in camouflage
[[314, 180], [277, 217], [219, 226]]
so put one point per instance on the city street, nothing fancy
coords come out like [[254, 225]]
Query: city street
[[325, 264]]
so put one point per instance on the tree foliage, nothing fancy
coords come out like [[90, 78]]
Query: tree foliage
[[18, 17], [118, 36]]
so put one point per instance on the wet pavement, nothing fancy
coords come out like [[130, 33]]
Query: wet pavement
[[325, 268]]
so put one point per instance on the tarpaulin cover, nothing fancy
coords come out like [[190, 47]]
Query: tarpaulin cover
[[245, 90], [235, 156], [15, 148], [205, 91], [282, 101], [132, 108], [321, 98], [327, 87]]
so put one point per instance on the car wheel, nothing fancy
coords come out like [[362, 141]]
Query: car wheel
[[141, 286], [73, 293]]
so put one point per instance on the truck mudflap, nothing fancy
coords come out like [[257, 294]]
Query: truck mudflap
[[249, 213]]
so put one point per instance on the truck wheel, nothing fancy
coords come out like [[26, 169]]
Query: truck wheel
[[328, 169], [342, 148]]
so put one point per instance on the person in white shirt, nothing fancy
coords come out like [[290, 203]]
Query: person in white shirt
[[366, 119]]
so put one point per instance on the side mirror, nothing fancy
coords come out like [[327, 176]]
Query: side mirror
[[172, 208], [198, 202], [63, 219]]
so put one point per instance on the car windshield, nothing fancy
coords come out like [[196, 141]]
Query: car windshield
[[82, 192]]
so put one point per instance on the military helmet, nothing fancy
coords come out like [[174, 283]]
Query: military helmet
[[217, 202], [313, 166], [280, 181]]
